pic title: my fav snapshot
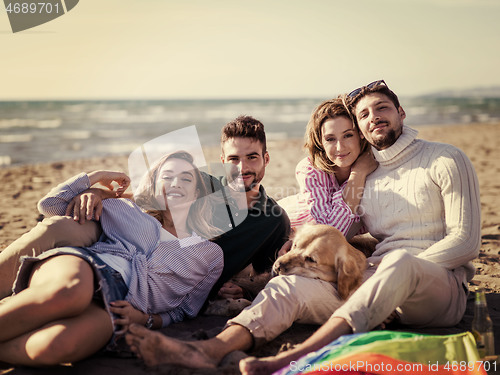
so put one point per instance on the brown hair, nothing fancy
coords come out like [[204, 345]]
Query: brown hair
[[244, 127], [365, 90], [200, 212], [329, 109]]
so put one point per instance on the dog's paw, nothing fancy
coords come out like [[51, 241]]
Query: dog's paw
[[226, 307]]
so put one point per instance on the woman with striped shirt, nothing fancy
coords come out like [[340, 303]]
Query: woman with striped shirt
[[332, 178], [153, 268]]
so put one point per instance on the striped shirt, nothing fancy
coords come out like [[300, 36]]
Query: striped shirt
[[166, 276], [319, 200]]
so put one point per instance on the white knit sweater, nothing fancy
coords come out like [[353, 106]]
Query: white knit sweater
[[424, 198]]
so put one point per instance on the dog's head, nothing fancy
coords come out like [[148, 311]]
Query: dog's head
[[322, 252]]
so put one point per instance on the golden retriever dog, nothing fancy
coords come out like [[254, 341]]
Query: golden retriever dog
[[322, 252], [318, 251]]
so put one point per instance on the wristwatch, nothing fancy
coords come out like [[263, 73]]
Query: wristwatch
[[149, 322]]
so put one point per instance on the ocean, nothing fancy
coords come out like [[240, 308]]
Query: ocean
[[48, 131]]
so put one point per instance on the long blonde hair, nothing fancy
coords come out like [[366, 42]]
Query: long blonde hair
[[329, 109], [200, 212]]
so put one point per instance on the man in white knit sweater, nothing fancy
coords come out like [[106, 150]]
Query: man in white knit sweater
[[422, 204]]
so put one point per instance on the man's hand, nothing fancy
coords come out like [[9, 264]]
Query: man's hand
[[230, 290], [394, 316], [86, 205]]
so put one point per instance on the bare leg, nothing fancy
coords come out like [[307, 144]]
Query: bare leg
[[65, 340], [331, 330], [52, 232], [60, 287], [155, 348]]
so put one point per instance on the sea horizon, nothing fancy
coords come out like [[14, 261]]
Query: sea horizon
[[38, 131]]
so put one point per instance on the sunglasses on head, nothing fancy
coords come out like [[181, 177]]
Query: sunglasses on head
[[355, 92]]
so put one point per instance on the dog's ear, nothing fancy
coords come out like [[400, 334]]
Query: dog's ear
[[351, 265], [364, 243]]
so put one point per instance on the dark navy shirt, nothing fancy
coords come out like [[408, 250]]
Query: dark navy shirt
[[252, 236]]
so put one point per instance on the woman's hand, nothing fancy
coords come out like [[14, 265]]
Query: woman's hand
[[364, 164], [128, 314], [89, 203], [86, 205], [106, 178], [285, 248], [230, 290], [353, 191]]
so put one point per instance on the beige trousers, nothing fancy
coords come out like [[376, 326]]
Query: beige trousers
[[285, 300], [424, 294], [56, 231]]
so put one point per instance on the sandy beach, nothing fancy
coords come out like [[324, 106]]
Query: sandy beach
[[23, 186]]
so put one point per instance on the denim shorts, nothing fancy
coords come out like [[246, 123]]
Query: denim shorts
[[108, 283]]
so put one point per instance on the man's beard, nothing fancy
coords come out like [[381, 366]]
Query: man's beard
[[385, 141], [235, 179], [254, 182], [238, 185]]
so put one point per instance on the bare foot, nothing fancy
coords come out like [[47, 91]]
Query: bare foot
[[262, 366], [156, 349]]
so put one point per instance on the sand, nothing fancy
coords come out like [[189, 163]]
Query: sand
[[23, 186]]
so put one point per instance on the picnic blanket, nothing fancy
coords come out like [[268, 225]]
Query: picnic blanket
[[393, 352]]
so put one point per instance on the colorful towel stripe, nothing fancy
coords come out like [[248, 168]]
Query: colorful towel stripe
[[390, 352]]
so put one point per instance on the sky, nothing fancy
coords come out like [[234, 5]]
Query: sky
[[166, 49]]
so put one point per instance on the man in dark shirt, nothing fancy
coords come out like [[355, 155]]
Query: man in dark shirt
[[259, 225], [256, 240]]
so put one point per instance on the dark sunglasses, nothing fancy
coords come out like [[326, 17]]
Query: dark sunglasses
[[355, 92]]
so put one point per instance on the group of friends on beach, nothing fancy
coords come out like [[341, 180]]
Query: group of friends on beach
[[104, 263]]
